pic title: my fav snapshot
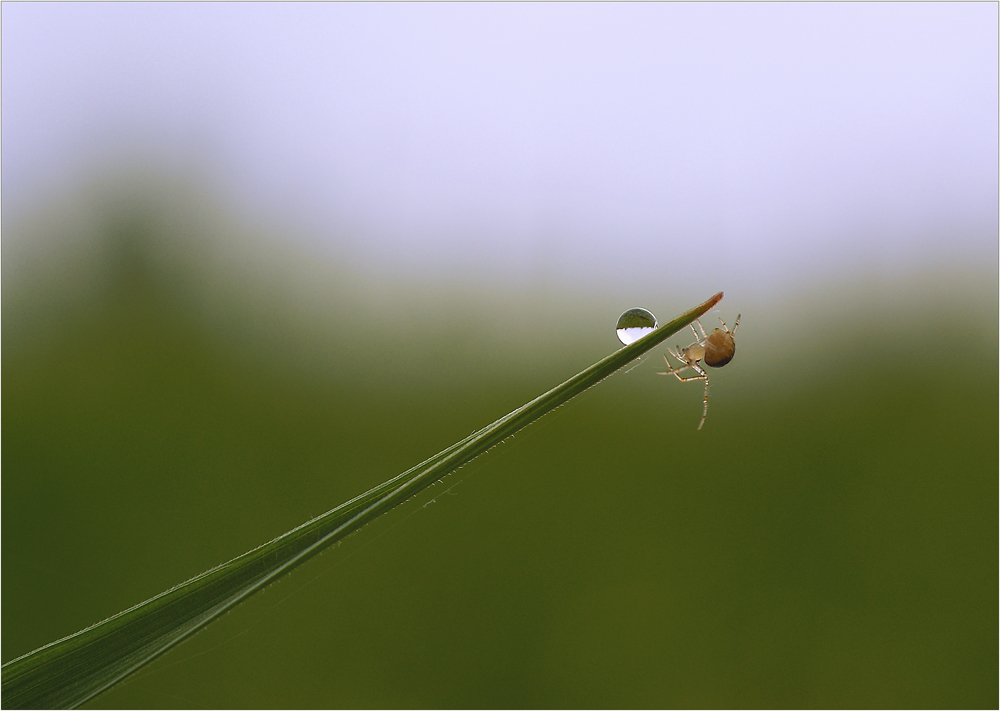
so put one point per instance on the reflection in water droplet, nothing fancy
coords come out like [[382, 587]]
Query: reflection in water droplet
[[634, 324]]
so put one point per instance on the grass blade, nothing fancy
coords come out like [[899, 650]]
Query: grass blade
[[75, 669]]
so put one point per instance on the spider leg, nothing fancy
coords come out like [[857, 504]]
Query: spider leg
[[678, 356], [680, 360], [704, 412], [735, 325], [701, 375], [685, 365]]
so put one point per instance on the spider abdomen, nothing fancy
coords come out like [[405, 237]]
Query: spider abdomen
[[720, 347]]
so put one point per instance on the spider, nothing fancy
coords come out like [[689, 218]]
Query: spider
[[716, 349]]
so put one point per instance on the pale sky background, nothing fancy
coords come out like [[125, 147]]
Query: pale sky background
[[760, 147]]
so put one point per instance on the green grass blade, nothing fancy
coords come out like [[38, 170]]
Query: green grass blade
[[70, 671]]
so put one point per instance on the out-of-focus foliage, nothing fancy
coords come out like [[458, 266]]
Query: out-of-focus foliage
[[829, 538]]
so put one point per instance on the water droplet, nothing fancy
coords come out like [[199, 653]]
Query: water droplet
[[634, 324]]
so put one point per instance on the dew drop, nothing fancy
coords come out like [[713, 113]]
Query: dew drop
[[634, 324]]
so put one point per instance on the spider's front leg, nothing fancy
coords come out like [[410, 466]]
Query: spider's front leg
[[701, 375], [685, 365], [704, 412]]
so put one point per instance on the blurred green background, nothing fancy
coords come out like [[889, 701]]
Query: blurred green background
[[173, 398]]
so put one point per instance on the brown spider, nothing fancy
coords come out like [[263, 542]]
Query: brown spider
[[716, 349]]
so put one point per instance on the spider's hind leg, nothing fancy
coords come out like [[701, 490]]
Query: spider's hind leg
[[735, 325]]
